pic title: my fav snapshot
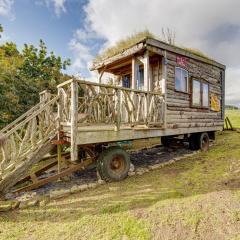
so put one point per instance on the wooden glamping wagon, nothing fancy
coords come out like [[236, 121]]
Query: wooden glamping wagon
[[156, 90]]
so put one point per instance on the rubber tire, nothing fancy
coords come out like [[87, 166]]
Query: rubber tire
[[166, 141], [196, 141], [103, 164], [203, 136]]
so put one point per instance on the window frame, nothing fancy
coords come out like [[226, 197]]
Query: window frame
[[130, 80], [202, 81], [187, 85]]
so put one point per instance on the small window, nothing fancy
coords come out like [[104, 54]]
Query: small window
[[205, 95], [126, 81], [196, 93], [200, 94], [140, 78], [181, 80]]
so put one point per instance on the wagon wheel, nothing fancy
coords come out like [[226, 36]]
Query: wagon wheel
[[199, 141], [204, 142], [113, 164]]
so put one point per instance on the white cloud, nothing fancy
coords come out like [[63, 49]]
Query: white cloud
[[192, 21], [211, 26], [232, 86], [59, 6], [6, 8], [82, 55]]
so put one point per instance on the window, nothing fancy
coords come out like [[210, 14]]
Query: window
[[196, 93], [205, 95], [126, 81], [200, 94], [181, 80], [140, 78]]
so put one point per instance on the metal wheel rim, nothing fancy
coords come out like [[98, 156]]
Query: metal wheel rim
[[117, 164]]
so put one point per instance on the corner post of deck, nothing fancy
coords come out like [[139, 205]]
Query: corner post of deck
[[146, 83], [134, 85], [74, 119], [134, 73], [164, 88]]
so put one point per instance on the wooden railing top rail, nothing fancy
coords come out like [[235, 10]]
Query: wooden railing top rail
[[107, 86], [65, 83], [33, 115], [19, 119]]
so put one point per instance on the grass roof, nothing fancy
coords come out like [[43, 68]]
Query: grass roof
[[134, 39], [124, 44]]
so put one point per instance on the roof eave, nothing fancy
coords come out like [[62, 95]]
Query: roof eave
[[183, 52], [123, 54]]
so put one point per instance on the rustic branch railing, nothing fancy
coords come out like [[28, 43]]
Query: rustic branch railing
[[100, 103], [23, 137]]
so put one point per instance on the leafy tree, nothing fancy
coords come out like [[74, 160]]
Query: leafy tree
[[23, 74], [40, 68], [1, 30]]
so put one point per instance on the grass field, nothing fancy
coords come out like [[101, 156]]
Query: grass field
[[195, 198], [234, 116]]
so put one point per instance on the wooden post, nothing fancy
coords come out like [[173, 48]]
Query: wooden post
[[146, 84], [146, 71], [100, 76], [118, 110], [134, 73], [134, 85], [74, 120], [59, 154], [164, 88]]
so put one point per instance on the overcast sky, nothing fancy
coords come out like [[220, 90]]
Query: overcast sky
[[79, 29]]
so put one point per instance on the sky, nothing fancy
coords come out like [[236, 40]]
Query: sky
[[80, 29]]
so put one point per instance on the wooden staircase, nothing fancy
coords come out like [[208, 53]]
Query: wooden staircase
[[26, 140]]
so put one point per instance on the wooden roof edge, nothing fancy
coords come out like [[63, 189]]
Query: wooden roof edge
[[183, 52], [155, 43], [124, 53]]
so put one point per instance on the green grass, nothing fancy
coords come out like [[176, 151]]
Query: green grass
[[234, 116], [136, 38], [124, 44], [195, 198]]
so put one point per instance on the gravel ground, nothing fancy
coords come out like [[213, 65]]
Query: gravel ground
[[141, 159]]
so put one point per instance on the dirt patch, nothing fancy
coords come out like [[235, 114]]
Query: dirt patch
[[209, 216]]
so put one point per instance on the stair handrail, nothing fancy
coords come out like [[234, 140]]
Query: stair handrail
[[19, 119], [29, 118]]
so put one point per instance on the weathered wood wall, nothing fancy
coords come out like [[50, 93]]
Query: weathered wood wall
[[156, 70], [180, 113]]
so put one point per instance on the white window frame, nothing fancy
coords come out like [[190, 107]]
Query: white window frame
[[201, 81], [187, 85]]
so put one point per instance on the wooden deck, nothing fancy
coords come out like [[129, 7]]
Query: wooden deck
[[107, 133], [87, 113]]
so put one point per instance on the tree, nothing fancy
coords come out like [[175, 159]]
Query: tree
[[169, 36], [1, 30], [24, 74], [41, 69]]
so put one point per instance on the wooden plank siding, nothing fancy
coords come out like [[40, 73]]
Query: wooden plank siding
[[180, 113]]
